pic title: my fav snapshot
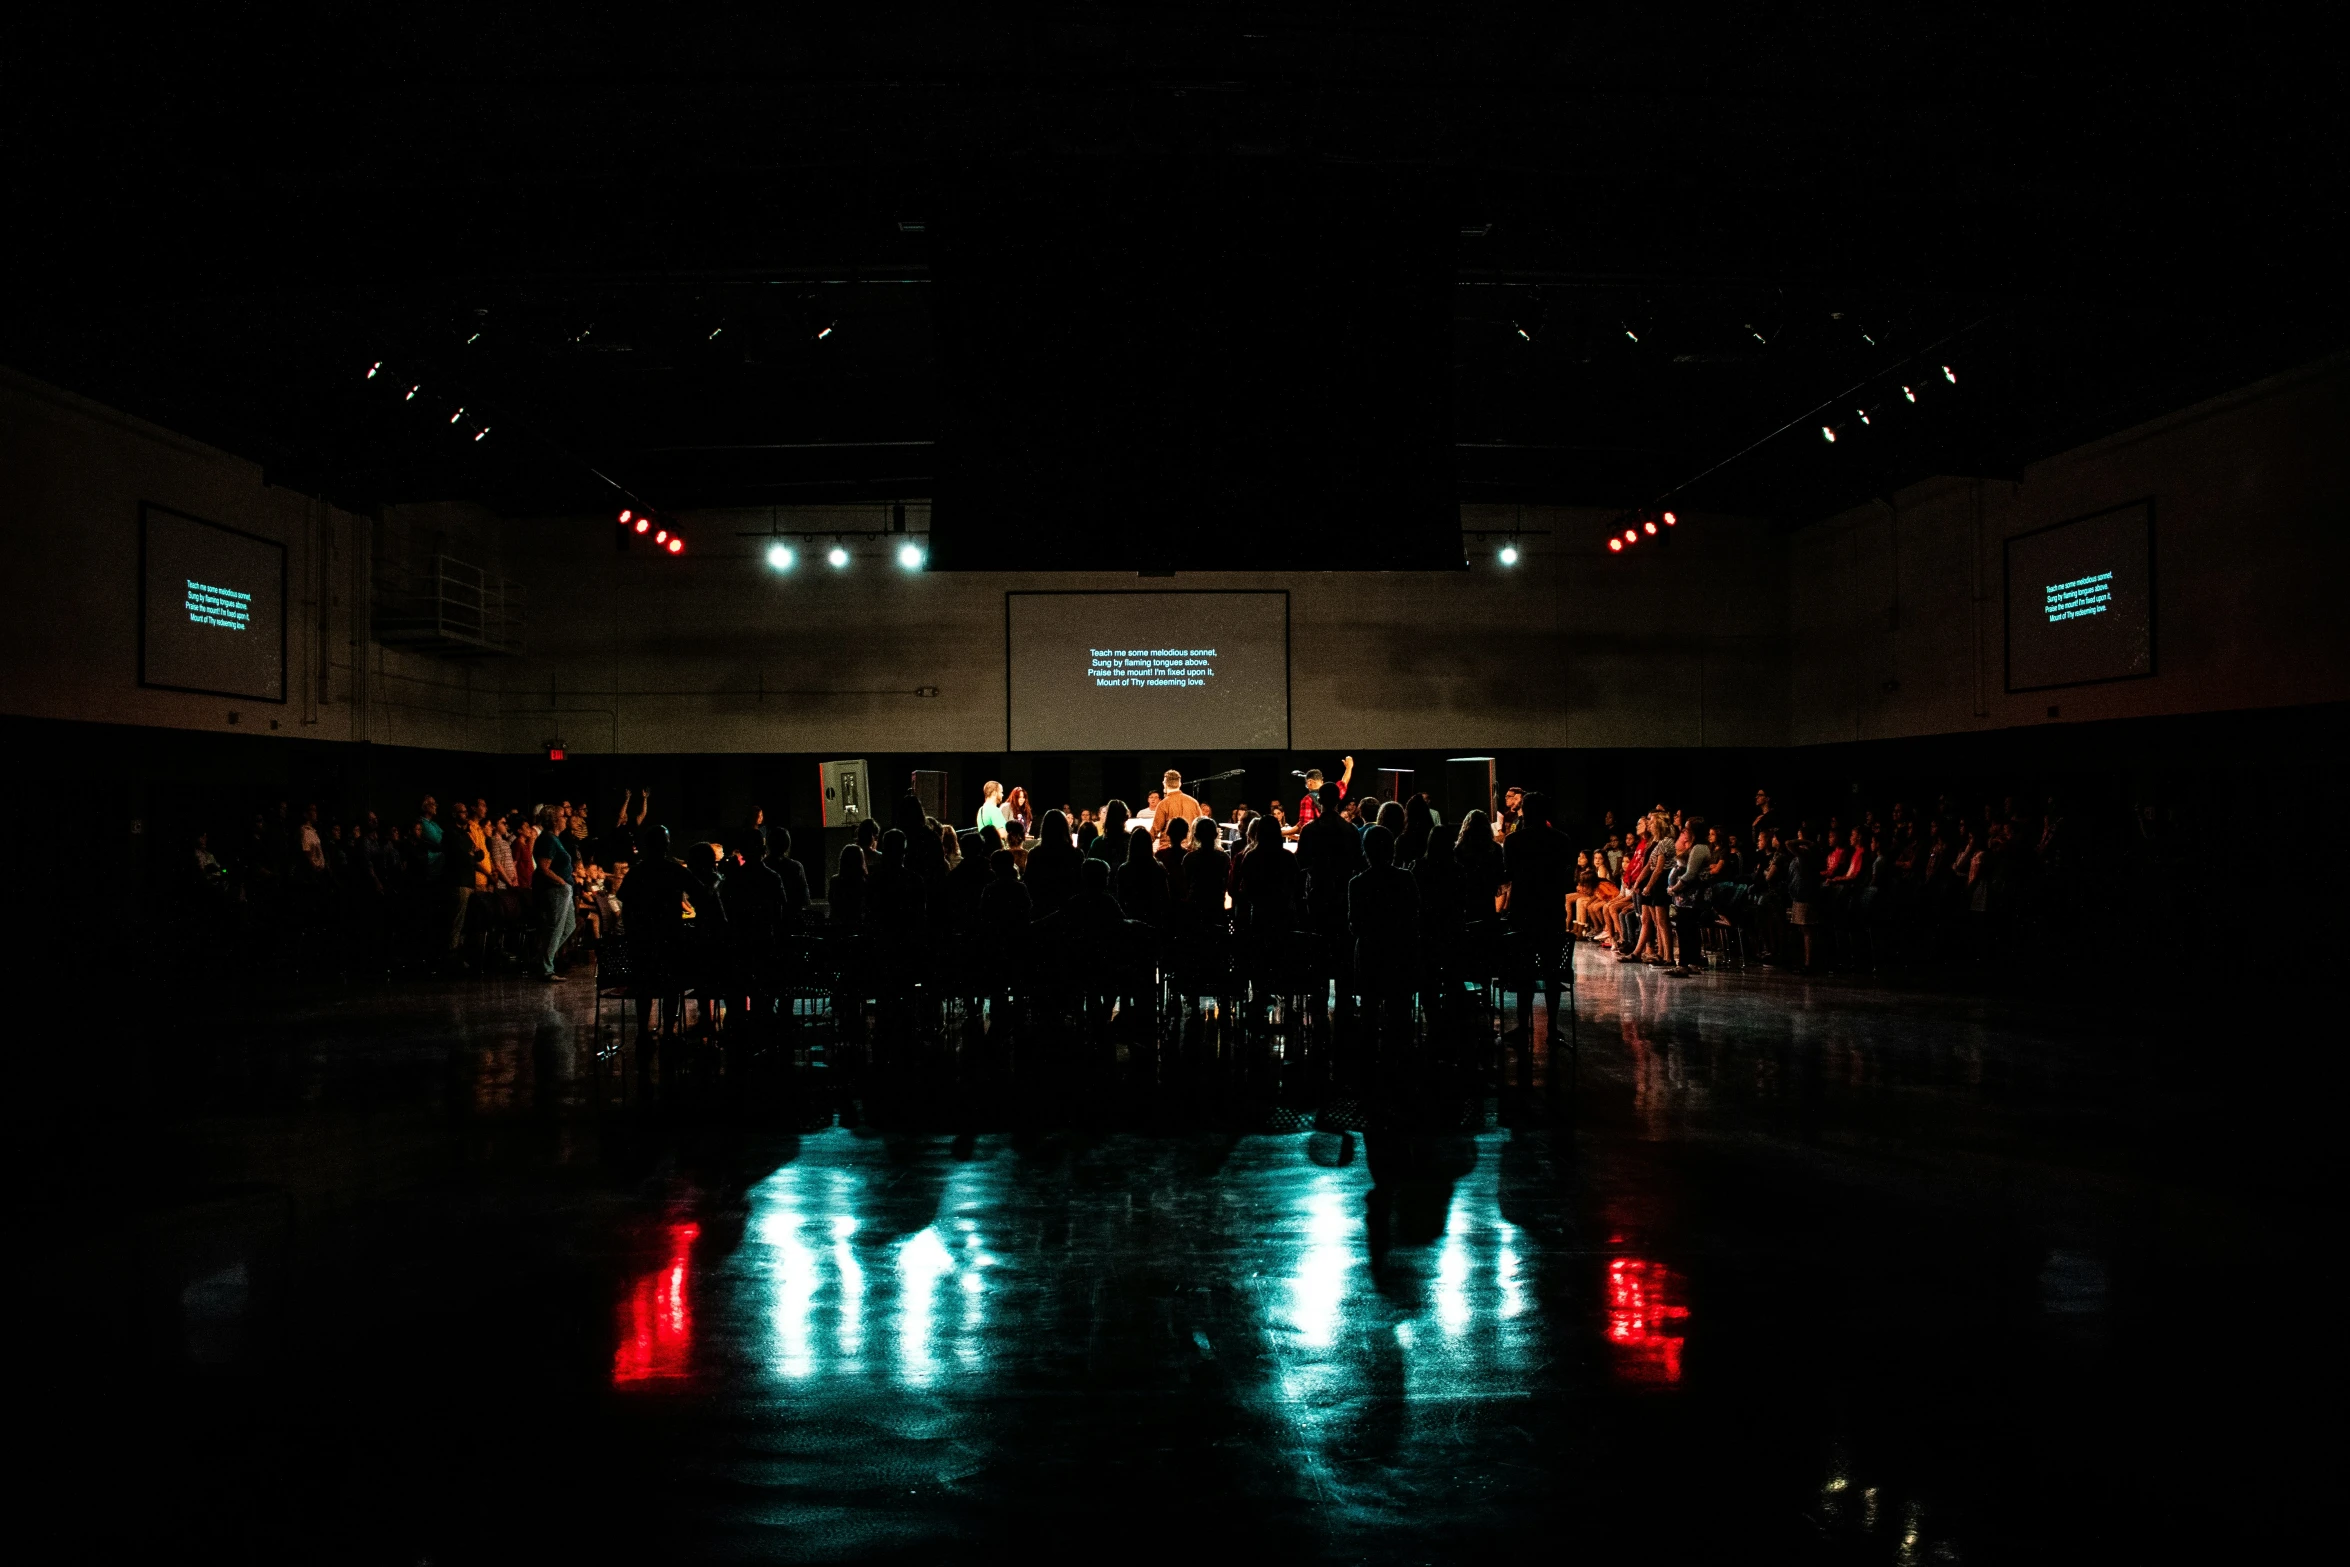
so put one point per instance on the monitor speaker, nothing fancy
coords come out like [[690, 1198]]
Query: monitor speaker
[[848, 792], [1468, 786], [931, 789]]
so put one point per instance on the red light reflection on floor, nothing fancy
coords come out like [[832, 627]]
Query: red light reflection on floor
[[1646, 1310], [657, 1318]]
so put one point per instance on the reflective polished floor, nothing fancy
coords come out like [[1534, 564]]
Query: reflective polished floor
[[1763, 1269]]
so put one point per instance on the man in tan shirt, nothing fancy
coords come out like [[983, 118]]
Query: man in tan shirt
[[1173, 803]]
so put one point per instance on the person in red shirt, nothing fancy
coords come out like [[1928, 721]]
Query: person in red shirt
[[1309, 807]]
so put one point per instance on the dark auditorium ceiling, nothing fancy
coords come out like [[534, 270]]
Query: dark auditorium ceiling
[[698, 259]]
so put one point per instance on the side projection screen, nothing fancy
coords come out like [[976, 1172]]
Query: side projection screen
[[212, 608], [1146, 671], [2080, 600]]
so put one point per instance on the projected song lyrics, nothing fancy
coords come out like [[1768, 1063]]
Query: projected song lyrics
[[222, 607], [1153, 666], [2080, 597]]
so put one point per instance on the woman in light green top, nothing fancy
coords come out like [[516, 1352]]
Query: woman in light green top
[[991, 809]]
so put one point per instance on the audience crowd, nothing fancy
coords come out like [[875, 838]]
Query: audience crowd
[[1384, 891]]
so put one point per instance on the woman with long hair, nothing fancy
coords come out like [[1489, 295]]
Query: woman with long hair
[[846, 895], [1140, 884], [1419, 824], [1016, 810], [1110, 845], [1480, 861], [1051, 872]]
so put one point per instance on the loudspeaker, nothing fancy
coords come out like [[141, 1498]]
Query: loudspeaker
[[931, 789], [1468, 785], [848, 792]]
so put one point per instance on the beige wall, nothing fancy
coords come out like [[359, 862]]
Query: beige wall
[[1895, 614], [1571, 647], [1884, 621], [75, 473]]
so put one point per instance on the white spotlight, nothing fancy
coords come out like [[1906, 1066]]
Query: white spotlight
[[1864, 414], [1950, 375], [837, 556], [1634, 336], [1509, 555], [1906, 392], [373, 368], [780, 557], [1829, 431], [827, 332], [910, 556], [480, 433]]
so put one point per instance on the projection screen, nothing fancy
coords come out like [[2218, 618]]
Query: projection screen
[[212, 608], [2080, 600], [1142, 670]]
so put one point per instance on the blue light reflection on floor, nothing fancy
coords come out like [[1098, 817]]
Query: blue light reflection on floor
[[842, 1300]]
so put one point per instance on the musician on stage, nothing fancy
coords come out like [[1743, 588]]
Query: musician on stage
[[1173, 805], [1311, 806]]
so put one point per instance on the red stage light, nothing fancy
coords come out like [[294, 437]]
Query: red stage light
[[1617, 545], [676, 543], [1631, 537], [662, 537], [1670, 519], [644, 525], [1648, 527], [554, 753], [626, 513]]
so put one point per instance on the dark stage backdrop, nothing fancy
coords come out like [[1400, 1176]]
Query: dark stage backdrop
[[1233, 365]]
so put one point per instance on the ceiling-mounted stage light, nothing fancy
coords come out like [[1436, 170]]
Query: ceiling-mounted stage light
[[662, 537], [836, 557], [823, 334], [1634, 336], [1520, 326], [627, 513], [1864, 414], [1616, 545], [1631, 536], [780, 557], [412, 391], [910, 556], [713, 337], [1670, 519], [1906, 392], [459, 414], [373, 368], [644, 525], [1508, 555], [1648, 527], [677, 544], [481, 433], [1829, 431], [1950, 375]]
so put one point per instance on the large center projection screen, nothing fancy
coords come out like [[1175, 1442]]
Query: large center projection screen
[[2080, 601], [212, 608], [1146, 671]]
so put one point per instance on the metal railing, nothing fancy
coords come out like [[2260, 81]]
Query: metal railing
[[452, 606]]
